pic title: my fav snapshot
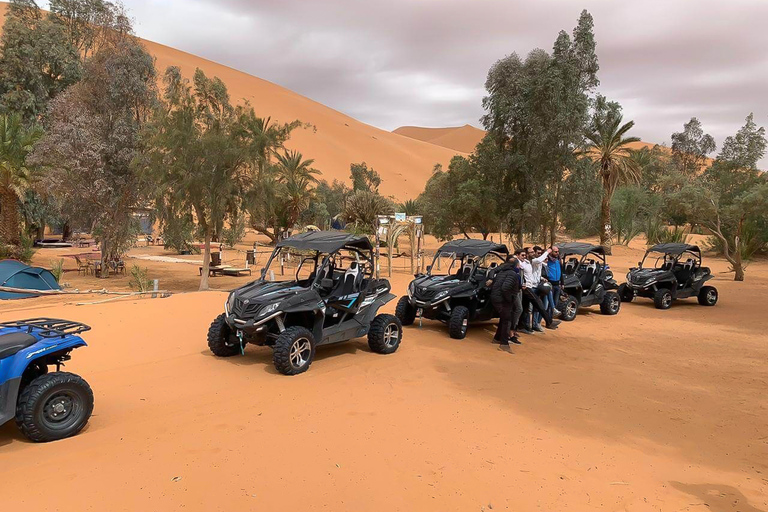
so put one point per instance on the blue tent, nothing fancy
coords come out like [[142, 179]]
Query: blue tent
[[15, 274]]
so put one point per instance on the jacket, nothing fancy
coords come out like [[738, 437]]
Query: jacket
[[506, 284]]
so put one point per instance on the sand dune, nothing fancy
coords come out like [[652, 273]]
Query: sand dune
[[460, 138], [405, 164]]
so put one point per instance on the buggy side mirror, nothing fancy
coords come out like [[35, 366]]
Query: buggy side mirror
[[639, 264], [326, 283], [429, 269], [263, 272]]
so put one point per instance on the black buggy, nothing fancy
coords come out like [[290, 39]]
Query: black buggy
[[332, 298], [461, 294], [677, 274], [587, 280]]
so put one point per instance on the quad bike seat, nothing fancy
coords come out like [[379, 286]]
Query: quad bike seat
[[14, 342]]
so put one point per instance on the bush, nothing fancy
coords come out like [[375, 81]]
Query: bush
[[658, 233], [626, 207], [139, 280], [179, 233], [752, 242], [232, 235], [57, 269]]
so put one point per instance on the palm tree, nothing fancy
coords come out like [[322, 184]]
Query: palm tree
[[298, 178], [16, 142], [610, 149]]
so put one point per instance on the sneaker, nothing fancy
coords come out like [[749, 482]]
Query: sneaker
[[556, 312], [514, 340], [505, 347], [553, 325], [525, 331], [538, 328]]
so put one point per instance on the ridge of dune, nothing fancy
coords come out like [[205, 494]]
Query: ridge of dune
[[459, 138], [336, 139]]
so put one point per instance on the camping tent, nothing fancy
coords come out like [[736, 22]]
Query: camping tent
[[15, 274]]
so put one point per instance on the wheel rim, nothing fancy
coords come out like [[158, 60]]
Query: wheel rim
[[391, 335], [711, 296], [301, 350], [61, 411], [615, 303], [464, 325], [571, 309], [666, 300]]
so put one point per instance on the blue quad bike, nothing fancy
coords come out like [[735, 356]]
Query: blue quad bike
[[47, 405]]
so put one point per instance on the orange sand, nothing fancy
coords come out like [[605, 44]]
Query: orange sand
[[648, 410]]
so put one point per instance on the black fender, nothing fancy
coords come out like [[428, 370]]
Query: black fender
[[700, 282]]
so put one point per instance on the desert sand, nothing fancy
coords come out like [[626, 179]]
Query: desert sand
[[460, 138], [647, 410]]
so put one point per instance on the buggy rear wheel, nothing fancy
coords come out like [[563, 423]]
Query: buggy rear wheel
[[626, 293], [385, 334], [54, 406], [611, 303], [708, 296], [294, 351], [405, 311], [220, 338], [569, 307], [458, 323], [662, 299]]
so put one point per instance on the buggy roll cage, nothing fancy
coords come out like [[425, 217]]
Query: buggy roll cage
[[459, 256], [673, 256], [48, 327], [366, 255]]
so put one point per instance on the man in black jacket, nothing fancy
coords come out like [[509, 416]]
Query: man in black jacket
[[504, 290]]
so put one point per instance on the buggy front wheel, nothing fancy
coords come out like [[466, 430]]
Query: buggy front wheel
[[611, 303], [220, 339], [405, 311], [568, 307], [294, 351], [626, 293], [385, 334], [662, 299], [54, 406], [458, 323], [708, 296]]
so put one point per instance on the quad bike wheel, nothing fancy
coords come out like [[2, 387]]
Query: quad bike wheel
[[611, 303], [385, 334], [626, 293], [405, 311], [662, 299], [220, 338], [458, 323], [54, 406], [708, 296], [568, 306], [294, 351]]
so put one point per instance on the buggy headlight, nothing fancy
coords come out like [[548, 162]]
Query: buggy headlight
[[629, 276], [230, 302], [411, 287], [269, 309], [441, 294]]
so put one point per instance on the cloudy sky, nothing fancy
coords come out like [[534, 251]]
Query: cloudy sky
[[423, 62]]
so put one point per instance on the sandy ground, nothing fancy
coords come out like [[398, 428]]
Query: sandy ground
[[648, 410]]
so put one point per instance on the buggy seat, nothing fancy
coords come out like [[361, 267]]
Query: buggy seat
[[13, 342], [588, 277]]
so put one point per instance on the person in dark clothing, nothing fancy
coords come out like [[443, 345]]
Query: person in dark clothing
[[504, 290]]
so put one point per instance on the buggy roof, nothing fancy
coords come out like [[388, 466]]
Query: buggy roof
[[473, 247], [326, 241], [581, 248], [674, 248]]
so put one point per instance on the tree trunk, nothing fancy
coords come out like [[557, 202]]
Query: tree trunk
[[206, 260], [605, 221], [10, 228], [66, 231]]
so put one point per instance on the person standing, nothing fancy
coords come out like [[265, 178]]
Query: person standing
[[554, 275], [504, 289], [531, 266]]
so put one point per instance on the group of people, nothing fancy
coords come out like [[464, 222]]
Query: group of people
[[525, 290]]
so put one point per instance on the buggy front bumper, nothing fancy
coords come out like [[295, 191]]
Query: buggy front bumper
[[432, 309]]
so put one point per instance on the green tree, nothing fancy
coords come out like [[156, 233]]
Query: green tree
[[731, 197], [37, 61], [298, 179], [92, 138], [611, 150], [195, 160], [691, 147], [363, 208], [16, 176], [364, 178]]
